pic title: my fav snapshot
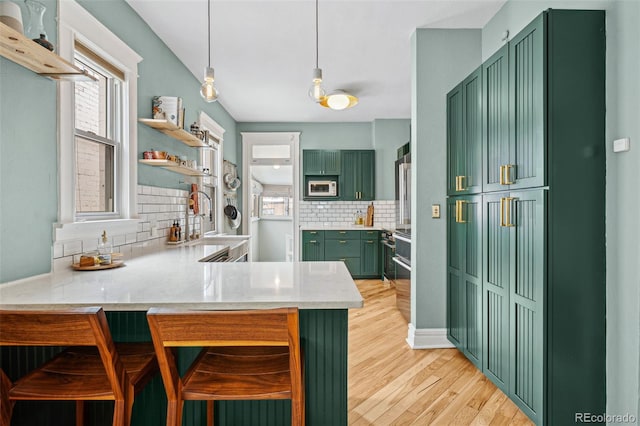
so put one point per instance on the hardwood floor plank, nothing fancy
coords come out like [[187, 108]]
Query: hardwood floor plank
[[392, 384]]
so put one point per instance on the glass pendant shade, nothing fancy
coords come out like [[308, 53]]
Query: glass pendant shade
[[208, 91], [317, 92]]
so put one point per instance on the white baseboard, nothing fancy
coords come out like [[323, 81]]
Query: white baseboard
[[428, 338]]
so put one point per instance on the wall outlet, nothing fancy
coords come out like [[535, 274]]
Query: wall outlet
[[435, 211], [621, 145]]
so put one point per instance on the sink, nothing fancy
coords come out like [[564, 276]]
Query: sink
[[238, 244]]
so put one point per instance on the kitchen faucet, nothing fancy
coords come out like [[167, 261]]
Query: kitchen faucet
[[186, 222]]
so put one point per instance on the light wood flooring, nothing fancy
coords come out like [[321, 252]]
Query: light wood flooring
[[392, 384]]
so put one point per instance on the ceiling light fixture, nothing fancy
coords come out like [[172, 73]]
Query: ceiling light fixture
[[339, 100], [208, 91], [317, 92]]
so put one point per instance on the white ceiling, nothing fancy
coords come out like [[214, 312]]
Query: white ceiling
[[267, 175], [263, 51]]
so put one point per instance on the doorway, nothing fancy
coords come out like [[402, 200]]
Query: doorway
[[271, 176]]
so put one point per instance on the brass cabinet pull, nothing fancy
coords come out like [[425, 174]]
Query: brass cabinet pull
[[501, 181], [342, 232], [508, 201], [369, 242], [507, 173], [344, 260], [312, 242], [313, 232], [462, 188], [343, 242], [459, 212], [501, 204]]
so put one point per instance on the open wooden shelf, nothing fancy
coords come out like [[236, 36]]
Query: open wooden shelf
[[24, 51], [173, 166], [170, 129]]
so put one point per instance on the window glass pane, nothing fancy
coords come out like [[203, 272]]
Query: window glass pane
[[94, 176], [91, 102], [276, 206]]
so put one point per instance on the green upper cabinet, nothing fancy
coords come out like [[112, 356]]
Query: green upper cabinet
[[527, 73], [321, 162], [464, 130], [357, 180], [495, 73]]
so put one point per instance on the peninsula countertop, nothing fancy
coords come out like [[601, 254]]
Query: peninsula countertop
[[174, 278]]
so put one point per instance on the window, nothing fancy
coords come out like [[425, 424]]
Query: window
[[280, 206], [97, 151], [98, 134]]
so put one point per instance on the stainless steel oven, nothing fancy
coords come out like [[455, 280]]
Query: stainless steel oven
[[388, 252]]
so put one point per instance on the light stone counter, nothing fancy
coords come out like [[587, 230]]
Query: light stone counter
[[174, 278], [341, 228]]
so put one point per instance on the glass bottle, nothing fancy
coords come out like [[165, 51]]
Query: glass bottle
[[104, 250], [35, 23]]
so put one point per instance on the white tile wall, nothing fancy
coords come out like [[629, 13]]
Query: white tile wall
[[157, 209], [341, 213]]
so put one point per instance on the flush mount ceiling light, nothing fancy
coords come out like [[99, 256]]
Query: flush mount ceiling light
[[208, 91], [339, 100]]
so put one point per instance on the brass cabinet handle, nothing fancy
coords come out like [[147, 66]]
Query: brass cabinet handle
[[501, 204], [342, 232], [508, 222], [313, 232], [501, 182], [342, 242], [462, 188], [312, 242], [369, 242], [344, 260], [507, 172], [459, 212]]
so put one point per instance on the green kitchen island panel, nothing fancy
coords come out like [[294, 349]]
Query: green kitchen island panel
[[323, 291]]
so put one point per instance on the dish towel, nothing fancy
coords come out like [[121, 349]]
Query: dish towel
[[194, 198]]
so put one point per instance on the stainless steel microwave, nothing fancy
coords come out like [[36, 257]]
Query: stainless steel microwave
[[322, 188]]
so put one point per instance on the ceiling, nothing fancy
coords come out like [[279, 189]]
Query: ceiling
[[267, 175], [263, 51]]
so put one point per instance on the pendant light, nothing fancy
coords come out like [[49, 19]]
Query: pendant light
[[339, 100], [208, 91], [317, 92]]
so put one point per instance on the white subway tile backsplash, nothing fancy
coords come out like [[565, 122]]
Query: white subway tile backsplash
[[341, 213]]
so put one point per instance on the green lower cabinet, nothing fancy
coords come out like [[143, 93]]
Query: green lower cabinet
[[360, 250], [464, 275]]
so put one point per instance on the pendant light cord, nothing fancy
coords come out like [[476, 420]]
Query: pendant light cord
[[209, 29], [316, 33]]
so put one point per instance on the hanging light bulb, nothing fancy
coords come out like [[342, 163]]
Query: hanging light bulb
[[208, 91], [317, 92]]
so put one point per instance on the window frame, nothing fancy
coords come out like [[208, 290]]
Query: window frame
[[76, 24]]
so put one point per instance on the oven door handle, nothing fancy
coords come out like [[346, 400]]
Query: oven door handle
[[401, 263], [391, 246], [401, 238]]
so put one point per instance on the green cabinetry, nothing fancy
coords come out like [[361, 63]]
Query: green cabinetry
[[542, 214], [357, 180], [464, 136], [359, 250], [321, 162], [464, 275]]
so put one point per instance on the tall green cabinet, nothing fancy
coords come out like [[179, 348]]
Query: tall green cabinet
[[357, 180], [542, 213]]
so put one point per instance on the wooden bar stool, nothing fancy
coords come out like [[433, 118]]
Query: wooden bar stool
[[92, 368], [246, 355]]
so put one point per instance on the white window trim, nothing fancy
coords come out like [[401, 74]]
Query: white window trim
[[216, 131], [75, 23]]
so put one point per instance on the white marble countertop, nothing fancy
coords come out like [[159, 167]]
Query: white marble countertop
[[174, 278]]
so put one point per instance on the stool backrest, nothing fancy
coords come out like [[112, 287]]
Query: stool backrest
[[69, 327], [174, 328]]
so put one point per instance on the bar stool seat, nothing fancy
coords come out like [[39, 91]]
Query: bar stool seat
[[246, 355], [98, 370]]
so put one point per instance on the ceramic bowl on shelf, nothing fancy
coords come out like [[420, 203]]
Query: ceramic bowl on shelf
[[159, 155]]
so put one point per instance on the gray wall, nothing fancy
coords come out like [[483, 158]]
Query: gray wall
[[28, 136], [622, 195], [441, 59]]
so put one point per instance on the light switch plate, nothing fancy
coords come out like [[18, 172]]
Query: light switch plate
[[621, 145], [435, 211]]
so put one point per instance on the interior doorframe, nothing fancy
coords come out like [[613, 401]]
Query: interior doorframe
[[270, 138]]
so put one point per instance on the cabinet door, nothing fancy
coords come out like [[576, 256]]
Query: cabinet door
[[496, 254], [471, 218], [369, 257], [331, 162], [312, 162], [367, 187], [455, 265], [470, 181], [349, 176], [527, 74], [525, 213], [455, 144], [495, 72], [312, 245]]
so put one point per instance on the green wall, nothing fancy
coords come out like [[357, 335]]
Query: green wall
[[441, 58], [28, 166], [388, 136]]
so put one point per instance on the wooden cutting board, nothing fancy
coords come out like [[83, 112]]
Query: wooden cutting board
[[369, 220]]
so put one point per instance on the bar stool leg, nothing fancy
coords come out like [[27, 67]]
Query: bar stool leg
[[119, 413], [79, 413], [210, 413]]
